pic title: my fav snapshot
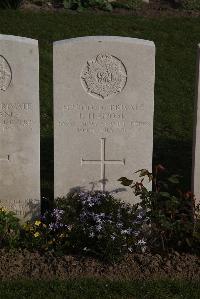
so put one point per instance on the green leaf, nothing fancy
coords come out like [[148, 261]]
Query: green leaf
[[188, 242], [125, 182], [143, 172], [67, 4], [165, 194], [174, 179]]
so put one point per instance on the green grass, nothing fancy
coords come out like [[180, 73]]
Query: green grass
[[100, 289], [176, 42]]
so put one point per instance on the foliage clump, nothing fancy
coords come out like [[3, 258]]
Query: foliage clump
[[78, 5], [10, 4], [89, 222], [9, 229], [46, 233], [95, 223], [84, 4], [174, 218], [103, 225], [191, 4]]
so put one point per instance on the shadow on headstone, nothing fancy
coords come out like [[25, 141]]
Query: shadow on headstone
[[47, 169], [32, 210], [176, 157]]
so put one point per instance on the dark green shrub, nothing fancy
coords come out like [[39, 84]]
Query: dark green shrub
[[82, 4], [40, 2], [101, 225], [90, 223], [191, 4], [116, 4], [73, 4], [129, 4], [9, 229], [57, 3], [46, 234], [10, 4], [101, 4], [172, 213]]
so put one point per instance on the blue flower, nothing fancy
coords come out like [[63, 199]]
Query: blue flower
[[91, 235], [99, 227]]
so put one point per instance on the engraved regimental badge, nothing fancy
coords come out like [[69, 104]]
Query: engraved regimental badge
[[5, 74], [104, 76]]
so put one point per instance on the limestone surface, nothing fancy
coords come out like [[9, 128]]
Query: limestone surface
[[19, 126], [103, 112]]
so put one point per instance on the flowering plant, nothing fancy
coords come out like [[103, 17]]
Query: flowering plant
[[9, 229], [171, 211], [102, 225], [46, 233]]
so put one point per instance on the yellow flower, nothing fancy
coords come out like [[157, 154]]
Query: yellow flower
[[2, 209], [26, 226], [36, 234], [37, 222]]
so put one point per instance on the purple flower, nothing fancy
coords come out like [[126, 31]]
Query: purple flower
[[119, 225], [140, 216], [56, 225], [99, 227], [83, 215], [141, 242], [91, 235], [43, 218], [57, 214], [125, 232], [136, 233], [52, 226]]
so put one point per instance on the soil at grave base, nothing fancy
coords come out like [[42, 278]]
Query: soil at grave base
[[155, 8], [33, 265]]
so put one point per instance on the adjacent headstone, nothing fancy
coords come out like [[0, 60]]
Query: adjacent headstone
[[196, 136], [103, 112], [19, 126]]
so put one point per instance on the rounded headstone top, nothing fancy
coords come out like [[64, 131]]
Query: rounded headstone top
[[19, 39], [106, 39]]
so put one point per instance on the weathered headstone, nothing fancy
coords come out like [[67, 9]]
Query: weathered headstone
[[19, 126], [196, 136], [103, 112]]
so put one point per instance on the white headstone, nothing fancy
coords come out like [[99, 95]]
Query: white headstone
[[19, 126], [196, 136], [103, 111]]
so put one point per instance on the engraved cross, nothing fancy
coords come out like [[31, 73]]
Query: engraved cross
[[103, 162]]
